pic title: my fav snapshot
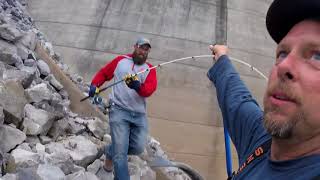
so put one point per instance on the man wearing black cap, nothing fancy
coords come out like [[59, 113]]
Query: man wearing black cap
[[283, 142], [127, 112]]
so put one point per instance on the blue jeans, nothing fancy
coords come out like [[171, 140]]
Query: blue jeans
[[129, 134]]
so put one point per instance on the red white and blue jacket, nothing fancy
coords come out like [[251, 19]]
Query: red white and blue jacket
[[121, 94]]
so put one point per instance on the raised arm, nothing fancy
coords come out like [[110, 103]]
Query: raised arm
[[241, 113]]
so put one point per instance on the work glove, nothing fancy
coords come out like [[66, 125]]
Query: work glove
[[93, 90], [132, 82]]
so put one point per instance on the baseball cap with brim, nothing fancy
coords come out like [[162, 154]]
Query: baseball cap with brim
[[143, 41], [284, 14]]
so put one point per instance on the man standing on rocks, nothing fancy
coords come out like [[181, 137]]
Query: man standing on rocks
[[127, 112], [283, 142]]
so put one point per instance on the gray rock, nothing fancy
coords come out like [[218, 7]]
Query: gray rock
[[81, 175], [82, 151], [45, 139], [9, 177], [64, 94], [38, 93], [59, 128], [53, 81], [10, 33], [32, 140], [75, 127], [40, 149], [37, 121], [50, 172], [8, 163], [18, 61], [25, 78], [64, 161], [107, 138], [148, 174], [104, 175], [2, 69], [28, 173], [29, 40], [24, 146], [1, 115], [22, 51], [6, 56], [13, 100], [10, 138], [31, 70], [98, 127], [134, 171], [95, 166], [29, 62], [25, 159], [43, 68]]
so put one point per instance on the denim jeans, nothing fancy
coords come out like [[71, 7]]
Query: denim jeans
[[128, 134]]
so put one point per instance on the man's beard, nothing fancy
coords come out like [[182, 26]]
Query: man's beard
[[139, 60], [281, 129]]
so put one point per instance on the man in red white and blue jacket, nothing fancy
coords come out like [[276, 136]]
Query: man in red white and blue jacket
[[127, 113]]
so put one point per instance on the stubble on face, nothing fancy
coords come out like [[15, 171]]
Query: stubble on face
[[281, 128]]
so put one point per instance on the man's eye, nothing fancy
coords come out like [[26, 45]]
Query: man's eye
[[282, 55], [316, 56]]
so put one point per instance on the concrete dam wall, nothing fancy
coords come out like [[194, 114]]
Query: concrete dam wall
[[183, 113]]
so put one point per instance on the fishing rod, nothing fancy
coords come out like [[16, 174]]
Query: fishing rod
[[227, 143], [176, 60], [226, 134], [148, 69]]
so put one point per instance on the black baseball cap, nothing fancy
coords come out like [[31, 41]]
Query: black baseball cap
[[284, 14]]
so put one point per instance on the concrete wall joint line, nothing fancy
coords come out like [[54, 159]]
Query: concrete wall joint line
[[119, 29], [251, 52], [205, 3], [116, 53], [199, 124], [216, 154], [250, 13]]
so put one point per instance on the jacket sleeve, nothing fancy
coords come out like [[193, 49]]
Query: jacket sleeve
[[150, 84], [106, 72], [241, 113]]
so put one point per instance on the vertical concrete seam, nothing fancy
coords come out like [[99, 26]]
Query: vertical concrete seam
[[91, 53], [122, 5], [221, 22], [101, 21]]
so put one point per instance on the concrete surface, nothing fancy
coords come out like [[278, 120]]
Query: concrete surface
[[183, 113]]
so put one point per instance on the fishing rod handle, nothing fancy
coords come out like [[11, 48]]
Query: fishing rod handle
[[103, 89]]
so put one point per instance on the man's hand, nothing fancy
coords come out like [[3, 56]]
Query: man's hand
[[132, 82], [93, 90], [218, 50]]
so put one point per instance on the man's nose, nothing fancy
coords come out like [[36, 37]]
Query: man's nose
[[287, 68]]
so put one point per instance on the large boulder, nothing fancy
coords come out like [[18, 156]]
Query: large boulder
[[25, 78], [37, 121], [38, 93], [50, 172], [13, 100], [10, 137], [82, 150], [25, 159]]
